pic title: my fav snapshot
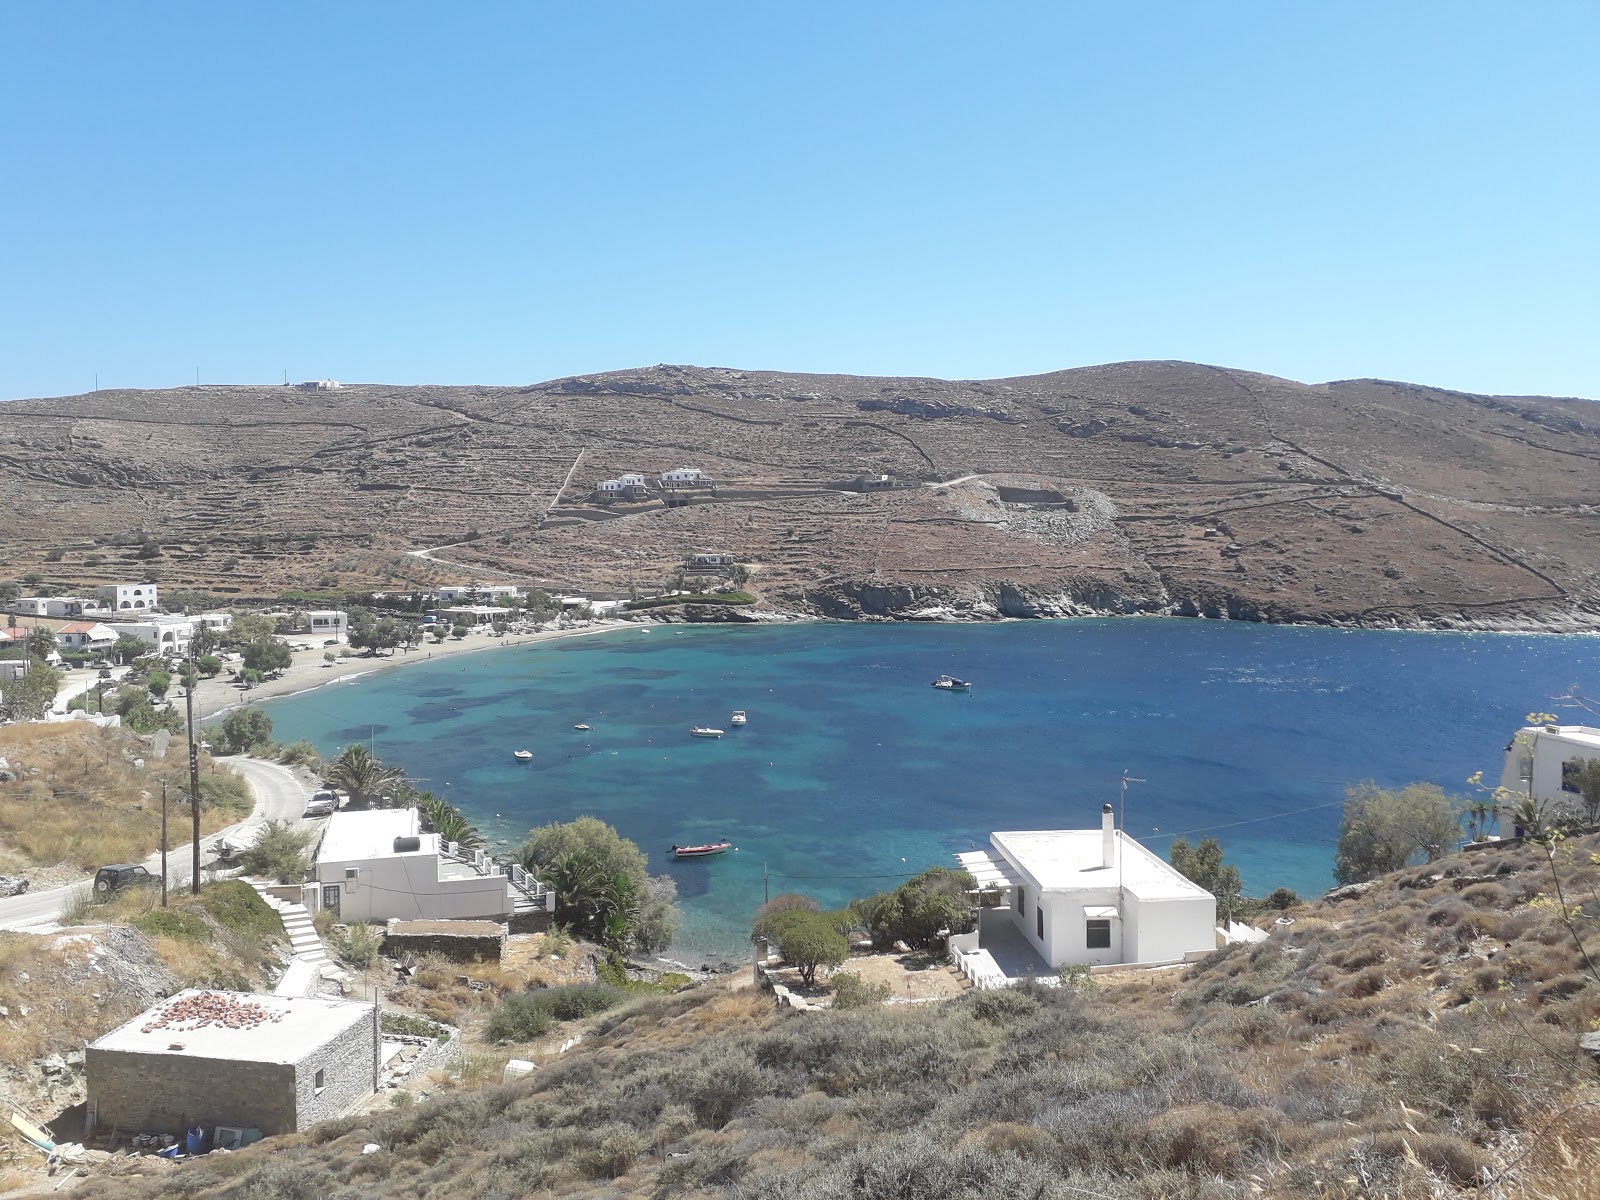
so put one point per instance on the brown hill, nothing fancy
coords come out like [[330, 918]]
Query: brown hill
[[1145, 486]]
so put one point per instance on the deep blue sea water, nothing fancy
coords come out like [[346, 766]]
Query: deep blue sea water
[[853, 771]]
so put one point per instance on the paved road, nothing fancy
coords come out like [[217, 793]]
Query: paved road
[[279, 796]]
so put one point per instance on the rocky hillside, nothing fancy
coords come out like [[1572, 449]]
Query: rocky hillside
[[1135, 487], [1415, 1038]]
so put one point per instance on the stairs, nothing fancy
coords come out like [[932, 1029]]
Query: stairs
[[311, 964]]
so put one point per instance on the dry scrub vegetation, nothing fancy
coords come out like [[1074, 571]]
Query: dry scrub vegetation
[[79, 799], [1418, 1041]]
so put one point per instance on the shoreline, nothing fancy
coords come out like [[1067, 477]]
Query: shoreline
[[309, 673]]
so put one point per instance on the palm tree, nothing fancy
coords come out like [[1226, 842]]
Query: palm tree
[[364, 776], [449, 822]]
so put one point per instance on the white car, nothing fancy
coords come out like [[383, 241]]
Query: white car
[[322, 804]]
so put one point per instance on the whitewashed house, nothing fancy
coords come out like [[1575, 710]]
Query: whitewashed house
[[1080, 897], [56, 607], [216, 621], [471, 615], [379, 864], [129, 597], [86, 635], [684, 477], [1542, 760], [330, 624], [165, 635], [489, 593]]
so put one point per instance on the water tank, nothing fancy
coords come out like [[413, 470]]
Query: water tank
[[404, 845]]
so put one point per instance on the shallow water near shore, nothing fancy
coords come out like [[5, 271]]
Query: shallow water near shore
[[854, 772]]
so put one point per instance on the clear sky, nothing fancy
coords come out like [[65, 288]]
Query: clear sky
[[505, 193]]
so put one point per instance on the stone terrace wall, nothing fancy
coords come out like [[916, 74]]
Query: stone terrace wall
[[349, 1065], [167, 1093]]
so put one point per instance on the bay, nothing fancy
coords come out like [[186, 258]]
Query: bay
[[853, 772]]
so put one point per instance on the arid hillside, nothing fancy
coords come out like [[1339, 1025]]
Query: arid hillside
[[1135, 487]]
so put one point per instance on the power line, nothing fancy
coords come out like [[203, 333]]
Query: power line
[[1249, 821]]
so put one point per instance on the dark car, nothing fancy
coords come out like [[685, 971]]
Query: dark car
[[105, 672], [121, 875]]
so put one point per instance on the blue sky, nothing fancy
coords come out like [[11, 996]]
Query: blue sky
[[487, 193]]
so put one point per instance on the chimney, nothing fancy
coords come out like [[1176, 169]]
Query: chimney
[[1108, 835]]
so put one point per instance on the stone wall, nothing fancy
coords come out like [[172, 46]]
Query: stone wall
[[349, 1065], [454, 946], [167, 1093]]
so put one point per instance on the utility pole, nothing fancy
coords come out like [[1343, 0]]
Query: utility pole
[[1122, 799], [764, 896], [194, 775], [163, 843]]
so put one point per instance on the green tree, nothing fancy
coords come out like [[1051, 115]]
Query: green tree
[[210, 666], [158, 682], [241, 731], [1585, 776], [920, 909], [280, 851], [247, 628], [441, 817], [1382, 831], [458, 631], [29, 697], [1203, 865], [359, 772], [41, 642], [603, 888], [807, 940], [267, 654], [128, 648], [203, 641]]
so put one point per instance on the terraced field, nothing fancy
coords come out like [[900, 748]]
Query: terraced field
[[1159, 486]]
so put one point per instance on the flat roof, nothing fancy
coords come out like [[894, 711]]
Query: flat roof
[[352, 836], [245, 1026], [1071, 859], [1583, 735]]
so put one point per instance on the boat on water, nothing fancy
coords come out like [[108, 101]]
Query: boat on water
[[705, 851], [704, 731], [522, 755], [584, 728], [738, 717], [949, 683]]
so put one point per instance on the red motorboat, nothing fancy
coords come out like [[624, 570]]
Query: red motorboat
[[705, 851]]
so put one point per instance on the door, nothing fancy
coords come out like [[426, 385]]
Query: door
[[330, 899]]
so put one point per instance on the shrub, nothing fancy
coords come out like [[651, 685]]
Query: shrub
[[358, 943], [523, 1016], [1004, 1005], [173, 923], [394, 1022], [241, 731], [851, 991], [301, 754], [807, 940], [280, 852], [920, 908]]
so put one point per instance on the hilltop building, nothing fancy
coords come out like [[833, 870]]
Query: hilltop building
[[129, 597], [1542, 762], [1090, 897]]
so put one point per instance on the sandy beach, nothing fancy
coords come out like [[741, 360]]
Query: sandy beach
[[310, 671]]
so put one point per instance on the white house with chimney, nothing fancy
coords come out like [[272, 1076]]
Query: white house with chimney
[[377, 864], [1542, 761], [1079, 897]]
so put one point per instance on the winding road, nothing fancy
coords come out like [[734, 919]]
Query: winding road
[[279, 797]]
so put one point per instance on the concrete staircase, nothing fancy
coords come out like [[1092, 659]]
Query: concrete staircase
[[311, 965]]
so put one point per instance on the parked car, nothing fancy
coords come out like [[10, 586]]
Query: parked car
[[105, 672], [12, 885], [121, 875], [322, 804]]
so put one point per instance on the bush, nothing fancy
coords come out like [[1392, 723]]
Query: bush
[[919, 909], [173, 923], [358, 943], [523, 1016], [851, 991], [807, 940], [279, 852], [394, 1022], [301, 754]]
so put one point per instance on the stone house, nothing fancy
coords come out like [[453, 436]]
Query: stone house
[[274, 1063]]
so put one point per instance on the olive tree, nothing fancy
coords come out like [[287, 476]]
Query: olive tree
[[1382, 831]]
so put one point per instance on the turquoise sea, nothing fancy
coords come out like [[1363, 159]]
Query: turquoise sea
[[854, 772]]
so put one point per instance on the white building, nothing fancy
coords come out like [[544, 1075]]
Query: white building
[[129, 597], [51, 606], [379, 864], [218, 621], [319, 385], [471, 614], [1542, 760], [714, 560], [684, 477], [86, 635], [328, 623], [165, 635], [1091, 897], [488, 592]]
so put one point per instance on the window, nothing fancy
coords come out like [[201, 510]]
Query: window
[[1038, 913], [1097, 934], [318, 1082], [1022, 899]]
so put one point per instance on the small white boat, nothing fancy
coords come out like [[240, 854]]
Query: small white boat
[[704, 731], [584, 728], [738, 717], [949, 683], [522, 755]]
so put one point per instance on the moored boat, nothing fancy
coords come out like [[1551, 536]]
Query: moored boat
[[584, 728], [949, 683], [738, 717], [522, 755], [704, 851], [704, 731]]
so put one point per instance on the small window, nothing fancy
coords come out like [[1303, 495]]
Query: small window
[[1038, 913], [318, 1082], [1097, 934], [1022, 899]]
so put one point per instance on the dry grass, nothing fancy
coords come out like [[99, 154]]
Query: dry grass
[[80, 799]]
